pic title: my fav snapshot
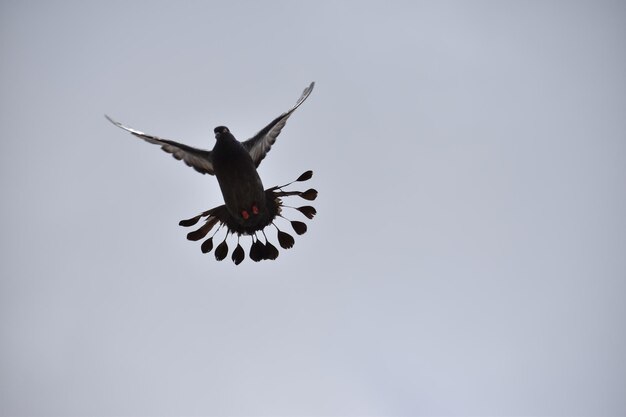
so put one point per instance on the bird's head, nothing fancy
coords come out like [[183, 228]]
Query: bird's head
[[220, 130]]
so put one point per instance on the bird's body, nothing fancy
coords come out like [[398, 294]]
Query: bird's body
[[241, 186], [248, 207]]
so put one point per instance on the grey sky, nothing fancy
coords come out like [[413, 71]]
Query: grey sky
[[468, 257]]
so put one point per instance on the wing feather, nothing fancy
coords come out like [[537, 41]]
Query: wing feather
[[198, 159], [259, 145]]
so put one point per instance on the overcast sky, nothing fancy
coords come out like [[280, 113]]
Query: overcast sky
[[469, 253]]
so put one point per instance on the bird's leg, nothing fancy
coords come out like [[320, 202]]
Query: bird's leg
[[254, 209]]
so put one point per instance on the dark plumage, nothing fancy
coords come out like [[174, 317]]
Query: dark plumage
[[248, 207]]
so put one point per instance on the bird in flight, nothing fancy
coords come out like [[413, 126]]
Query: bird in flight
[[248, 207]]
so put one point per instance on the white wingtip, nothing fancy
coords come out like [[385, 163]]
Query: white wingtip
[[111, 120]]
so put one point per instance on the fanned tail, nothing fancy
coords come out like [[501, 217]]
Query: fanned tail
[[259, 250]]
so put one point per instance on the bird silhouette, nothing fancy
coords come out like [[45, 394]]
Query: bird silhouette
[[248, 207]]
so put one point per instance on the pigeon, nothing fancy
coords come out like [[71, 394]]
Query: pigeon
[[248, 207]]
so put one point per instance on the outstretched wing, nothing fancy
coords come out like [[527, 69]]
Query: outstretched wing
[[198, 159], [262, 142]]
